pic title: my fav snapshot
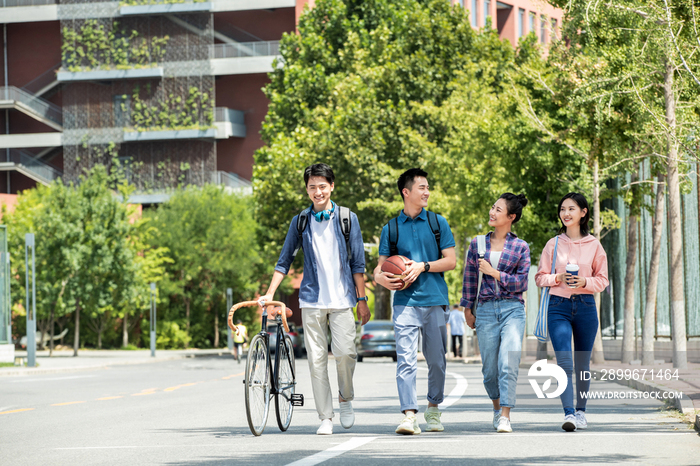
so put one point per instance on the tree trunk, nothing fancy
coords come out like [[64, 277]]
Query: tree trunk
[[216, 330], [649, 332], [382, 303], [678, 335], [598, 355], [187, 315], [125, 330], [76, 335], [628, 336], [100, 329], [51, 325]]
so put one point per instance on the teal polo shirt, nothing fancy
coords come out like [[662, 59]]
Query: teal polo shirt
[[417, 242]]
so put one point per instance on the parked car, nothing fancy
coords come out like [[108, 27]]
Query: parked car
[[295, 333], [376, 339]]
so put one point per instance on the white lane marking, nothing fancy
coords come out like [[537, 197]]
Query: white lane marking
[[494, 435], [332, 452], [456, 392], [54, 378], [5, 408]]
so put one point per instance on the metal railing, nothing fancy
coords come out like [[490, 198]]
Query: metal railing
[[42, 81], [41, 169], [228, 115], [245, 49], [231, 180], [37, 105], [11, 3]]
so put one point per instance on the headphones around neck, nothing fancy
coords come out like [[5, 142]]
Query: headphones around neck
[[324, 214]]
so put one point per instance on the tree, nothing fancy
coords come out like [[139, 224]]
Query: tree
[[211, 237], [657, 37], [366, 87]]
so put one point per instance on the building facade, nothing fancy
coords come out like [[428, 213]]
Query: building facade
[[171, 92]]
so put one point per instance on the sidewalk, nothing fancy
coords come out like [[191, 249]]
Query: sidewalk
[[63, 361]]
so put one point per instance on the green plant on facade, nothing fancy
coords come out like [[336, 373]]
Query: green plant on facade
[[156, 2], [172, 113], [94, 46]]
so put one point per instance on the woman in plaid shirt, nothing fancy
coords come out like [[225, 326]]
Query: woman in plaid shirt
[[499, 318]]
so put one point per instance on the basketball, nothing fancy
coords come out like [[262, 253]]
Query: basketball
[[396, 266]]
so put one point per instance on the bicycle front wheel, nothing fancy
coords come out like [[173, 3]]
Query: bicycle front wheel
[[285, 383], [257, 385]]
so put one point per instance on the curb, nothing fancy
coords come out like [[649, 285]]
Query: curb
[[28, 371]]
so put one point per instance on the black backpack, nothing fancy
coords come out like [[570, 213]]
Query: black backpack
[[345, 225], [394, 234]]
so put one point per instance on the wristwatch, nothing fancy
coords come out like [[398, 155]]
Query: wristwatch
[[426, 267], [364, 298]]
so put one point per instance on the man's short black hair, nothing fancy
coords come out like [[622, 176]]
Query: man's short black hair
[[408, 177], [319, 169]]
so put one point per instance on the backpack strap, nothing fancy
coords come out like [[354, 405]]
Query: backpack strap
[[436, 230], [345, 226], [481, 250], [393, 237], [302, 222]]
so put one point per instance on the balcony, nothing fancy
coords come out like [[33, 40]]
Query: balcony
[[150, 190], [229, 123], [25, 11], [162, 8], [29, 166], [12, 97], [243, 57], [108, 75]]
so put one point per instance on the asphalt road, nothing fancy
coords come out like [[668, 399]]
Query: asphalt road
[[192, 412]]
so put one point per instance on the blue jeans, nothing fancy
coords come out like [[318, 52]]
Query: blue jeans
[[500, 325], [430, 322], [578, 316]]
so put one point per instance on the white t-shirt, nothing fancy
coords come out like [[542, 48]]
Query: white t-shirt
[[332, 292], [495, 257]]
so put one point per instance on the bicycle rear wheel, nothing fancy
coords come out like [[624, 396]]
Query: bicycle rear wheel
[[285, 383], [257, 385]]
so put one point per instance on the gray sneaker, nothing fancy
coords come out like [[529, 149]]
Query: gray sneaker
[[496, 418], [569, 423], [581, 422]]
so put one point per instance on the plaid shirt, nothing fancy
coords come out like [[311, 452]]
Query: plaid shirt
[[514, 266]]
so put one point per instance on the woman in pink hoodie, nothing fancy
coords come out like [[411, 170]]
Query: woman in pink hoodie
[[572, 309]]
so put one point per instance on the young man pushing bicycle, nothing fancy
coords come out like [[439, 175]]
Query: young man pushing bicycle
[[333, 284], [426, 239]]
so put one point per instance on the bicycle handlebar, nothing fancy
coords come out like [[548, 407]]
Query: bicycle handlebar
[[271, 313]]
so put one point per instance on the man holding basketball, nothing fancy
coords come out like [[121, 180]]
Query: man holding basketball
[[426, 240], [333, 284]]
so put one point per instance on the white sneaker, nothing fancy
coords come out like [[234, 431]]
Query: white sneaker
[[347, 415], [496, 418], [409, 425], [504, 425], [581, 422], [432, 418], [569, 423], [326, 427]]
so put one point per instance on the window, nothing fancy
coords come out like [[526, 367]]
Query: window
[[543, 29], [461, 3], [521, 22], [532, 24], [554, 29], [474, 14], [487, 10]]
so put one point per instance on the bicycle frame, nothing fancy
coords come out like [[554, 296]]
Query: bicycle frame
[[280, 347]]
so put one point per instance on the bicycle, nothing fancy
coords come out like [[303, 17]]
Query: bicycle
[[263, 380]]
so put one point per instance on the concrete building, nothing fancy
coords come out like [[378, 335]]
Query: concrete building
[[172, 91]]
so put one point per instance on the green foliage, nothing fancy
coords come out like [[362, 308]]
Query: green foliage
[[211, 236], [172, 112], [100, 45], [169, 335]]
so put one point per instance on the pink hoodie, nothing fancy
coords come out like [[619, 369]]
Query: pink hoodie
[[587, 253]]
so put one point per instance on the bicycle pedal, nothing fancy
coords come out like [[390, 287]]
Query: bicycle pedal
[[298, 400]]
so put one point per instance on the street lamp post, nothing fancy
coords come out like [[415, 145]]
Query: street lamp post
[[153, 319], [31, 299], [229, 303]]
